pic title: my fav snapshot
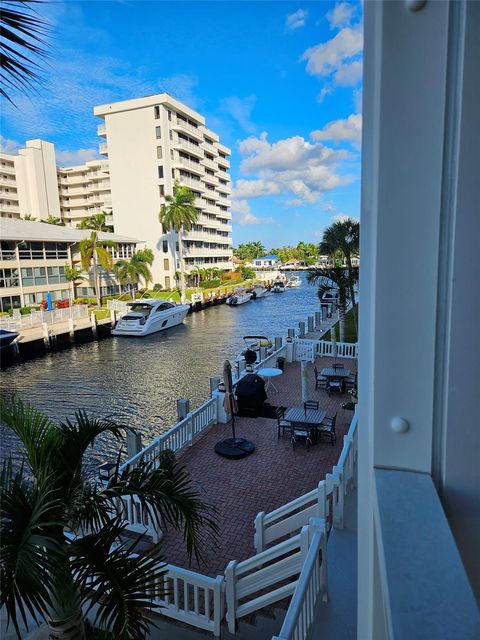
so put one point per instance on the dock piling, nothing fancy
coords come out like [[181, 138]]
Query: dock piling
[[93, 320], [134, 443], [183, 407]]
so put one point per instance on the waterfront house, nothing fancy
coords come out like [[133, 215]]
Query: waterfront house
[[33, 257], [267, 262]]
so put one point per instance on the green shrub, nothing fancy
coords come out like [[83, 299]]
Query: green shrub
[[210, 284], [125, 297], [157, 287], [25, 311], [90, 301], [4, 313]]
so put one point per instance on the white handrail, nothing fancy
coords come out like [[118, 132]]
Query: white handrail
[[38, 318]]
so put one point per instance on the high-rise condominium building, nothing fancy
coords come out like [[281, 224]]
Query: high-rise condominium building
[[151, 142]]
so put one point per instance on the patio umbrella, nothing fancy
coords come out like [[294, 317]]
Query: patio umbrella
[[303, 371], [49, 301], [232, 447], [229, 402]]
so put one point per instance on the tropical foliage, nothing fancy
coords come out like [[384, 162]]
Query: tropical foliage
[[247, 272], [54, 220], [97, 222], [306, 252], [73, 275], [131, 271], [333, 277], [23, 41], [29, 217], [94, 252], [250, 250], [343, 238], [62, 550], [179, 215]]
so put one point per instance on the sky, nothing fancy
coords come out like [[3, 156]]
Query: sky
[[280, 82]]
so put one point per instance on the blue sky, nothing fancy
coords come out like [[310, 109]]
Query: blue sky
[[279, 81]]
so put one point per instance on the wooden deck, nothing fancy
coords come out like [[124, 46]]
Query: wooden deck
[[273, 475]]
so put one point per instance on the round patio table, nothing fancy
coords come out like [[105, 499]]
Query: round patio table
[[270, 373]]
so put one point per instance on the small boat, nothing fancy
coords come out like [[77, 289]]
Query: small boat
[[258, 291], [149, 316], [294, 282], [239, 296], [6, 338], [278, 287], [254, 343]]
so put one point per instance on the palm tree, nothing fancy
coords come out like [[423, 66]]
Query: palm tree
[[61, 546], [324, 277], [344, 237], [54, 220], [96, 222], [72, 275], [94, 251], [23, 43], [29, 217], [179, 215], [130, 271]]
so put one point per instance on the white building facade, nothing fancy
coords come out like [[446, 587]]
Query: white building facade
[[151, 142]]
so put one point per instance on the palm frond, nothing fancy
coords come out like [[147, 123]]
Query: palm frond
[[30, 551], [169, 499], [119, 582], [105, 258], [23, 44]]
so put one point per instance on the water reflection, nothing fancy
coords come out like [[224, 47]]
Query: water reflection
[[137, 380]]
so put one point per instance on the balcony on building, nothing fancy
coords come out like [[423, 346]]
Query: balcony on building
[[103, 148]]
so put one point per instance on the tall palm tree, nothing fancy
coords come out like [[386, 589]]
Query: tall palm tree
[[130, 271], [326, 277], [179, 214], [93, 252], [23, 35], [98, 222], [54, 220], [344, 237], [61, 547], [73, 275]]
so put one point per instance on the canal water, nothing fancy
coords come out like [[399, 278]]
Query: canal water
[[138, 380]]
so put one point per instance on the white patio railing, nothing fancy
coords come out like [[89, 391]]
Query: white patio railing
[[180, 435], [117, 305], [192, 598], [311, 585], [326, 348], [38, 318]]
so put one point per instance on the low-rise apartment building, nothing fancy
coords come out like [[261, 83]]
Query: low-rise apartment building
[[33, 257]]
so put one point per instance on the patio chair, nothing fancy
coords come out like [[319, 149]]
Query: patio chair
[[281, 422], [351, 381], [300, 430], [334, 385], [311, 404], [319, 380], [327, 429]]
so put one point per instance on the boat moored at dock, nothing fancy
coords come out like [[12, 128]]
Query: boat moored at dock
[[258, 291], [278, 286], [293, 282], [149, 316], [239, 296]]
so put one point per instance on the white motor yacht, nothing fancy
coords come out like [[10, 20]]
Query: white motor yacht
[[294, 282], [149, 316], [239, 296], [278, 287]]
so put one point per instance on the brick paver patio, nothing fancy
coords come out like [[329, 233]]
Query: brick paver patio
[[273, 475]]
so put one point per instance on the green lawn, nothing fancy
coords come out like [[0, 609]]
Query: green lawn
[[350, 335]]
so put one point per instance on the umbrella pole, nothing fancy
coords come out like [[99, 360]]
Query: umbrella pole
[[233, 426]]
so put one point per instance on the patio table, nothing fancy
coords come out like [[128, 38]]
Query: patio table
[[313, 417]]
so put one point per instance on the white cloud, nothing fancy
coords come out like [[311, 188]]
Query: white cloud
[[9, 146], [242, 215], [296, 20], [240, 109], [73, 158], [340, 217], [256, 188], [357, 100], [340, 15], [327, 58], [348, 129], [348, 75], [292, 166]]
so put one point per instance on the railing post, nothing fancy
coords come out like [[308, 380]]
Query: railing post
[[304, 542], [301, 326], [259, 537], [214, 382], [190, 428], [310, 320], [217, 605], [338, 504], [318, 319], [230, 595], [321, 499], [319, 525], [183, 407], [134, 444]]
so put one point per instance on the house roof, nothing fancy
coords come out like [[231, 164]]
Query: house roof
[[14, 229]]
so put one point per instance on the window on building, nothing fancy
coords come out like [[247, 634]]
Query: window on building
[[169, 115], [9, 278], [159, 153], [170, 134], [165, 246], [166, 264], [167, 282], [157, 112], [173, 174], [10, 302], [7, 250], [160, 172], [161, 189], [158, 132]]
